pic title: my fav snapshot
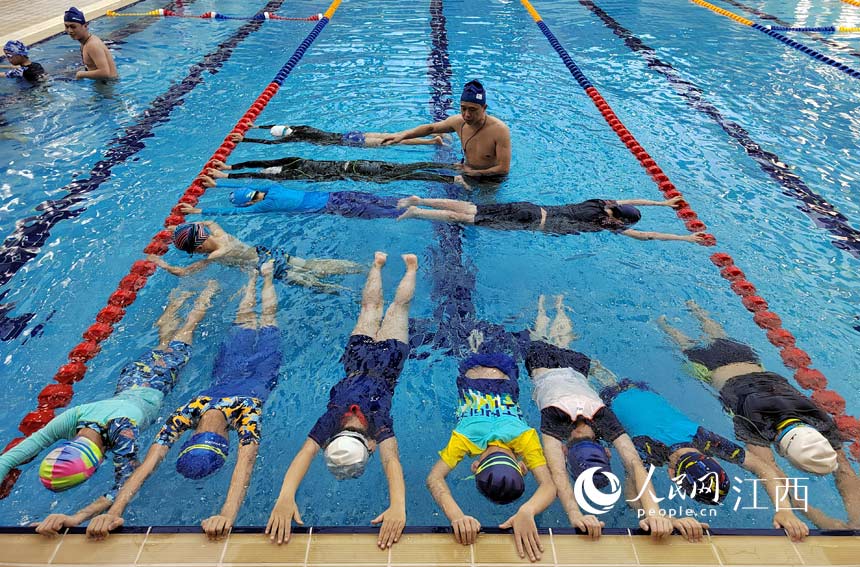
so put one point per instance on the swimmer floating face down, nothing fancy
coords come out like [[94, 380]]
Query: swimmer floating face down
[[347, 454]]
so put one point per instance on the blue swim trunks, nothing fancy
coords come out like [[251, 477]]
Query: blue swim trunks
[[247, 364], [280, 257], [353, 139], [157, 369], [376, 359]]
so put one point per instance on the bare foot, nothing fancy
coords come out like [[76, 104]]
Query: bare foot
[[411, 212], [476, 339], [662, 322], [411, 261], [379, 259], [216, 173], [268, 268], [559, 302], [207, 181], [236, 137], [458, 180], [408, 202], [218, 164], [440, 141]]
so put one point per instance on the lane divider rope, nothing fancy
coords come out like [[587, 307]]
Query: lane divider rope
[[853, 2], [850, 71], [211, 16], [822, 29], [792, 356], [59, 395]]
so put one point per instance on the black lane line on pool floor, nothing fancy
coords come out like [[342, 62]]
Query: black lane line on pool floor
[[31, 233], [812, 35], [453, 281], [816, 207]]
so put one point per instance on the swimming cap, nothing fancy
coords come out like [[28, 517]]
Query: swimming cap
[[702, 478], [585, 454], [473, 91], [242, 197], [499, 478], [807, 449], [187, 237], [346, 455], [498, 360], [627, 213], [280, 131], [74, 15], [202, 455], [70, 464], [15, 47]]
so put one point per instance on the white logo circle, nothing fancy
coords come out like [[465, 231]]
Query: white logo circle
[[587, 494]]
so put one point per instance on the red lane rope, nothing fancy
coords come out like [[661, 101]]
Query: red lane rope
[[58, 395], [792, 356]]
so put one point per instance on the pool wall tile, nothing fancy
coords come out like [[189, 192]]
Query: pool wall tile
[[28, 548], [257, 548], [673, 548], [346, 549], [165, 548], [118, 549], [826, 550], [739, 550], [493, 549], [608, 550], [438, 550]]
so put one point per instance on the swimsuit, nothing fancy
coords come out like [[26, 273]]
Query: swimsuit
[[509, 216], [311, 135], [372, 369], [720, 352], [292, 168], [588, 216], [32, 72], [247, 368], [761, 401]]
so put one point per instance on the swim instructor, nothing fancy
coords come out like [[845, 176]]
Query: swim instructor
[[485, 140]]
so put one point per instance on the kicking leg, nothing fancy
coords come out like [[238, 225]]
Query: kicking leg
[[331, 266], [683, 341], [453, 205], [245, 316], [539, 333], [561, 332], [268, 297], [601, 376], [168, 322], [307, 279], [711, 328], [395, 325], [371, 299], [185, 334], [434, 215]]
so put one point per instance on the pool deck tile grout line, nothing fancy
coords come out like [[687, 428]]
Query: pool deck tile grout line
[[635, 552], [142, 544], [308, 546], [552, 548], [57, 547], [224, 549]]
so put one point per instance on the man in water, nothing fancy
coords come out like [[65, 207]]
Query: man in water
[[279, 199], [246, 371], [593, 215], [485, 140], [296, 168], [284, 134], [112, 425], [358, 418], [219, 246], [17, 54], [94, 53], [770, 415]]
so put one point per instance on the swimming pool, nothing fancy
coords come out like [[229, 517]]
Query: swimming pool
[[374, 67]]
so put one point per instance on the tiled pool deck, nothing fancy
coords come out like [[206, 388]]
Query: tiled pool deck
[[34, 20], [247, 547]]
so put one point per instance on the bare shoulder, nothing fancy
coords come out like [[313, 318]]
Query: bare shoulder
[[500, 129], [95, 42], [454, 122]]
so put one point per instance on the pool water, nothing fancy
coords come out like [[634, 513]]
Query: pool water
[[374, 68]]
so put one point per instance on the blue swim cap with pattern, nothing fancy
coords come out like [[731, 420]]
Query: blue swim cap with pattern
[[202, 455], [499, 478], [703, 478], [15, 47], [585, 454], [242, 197], [473, 91]]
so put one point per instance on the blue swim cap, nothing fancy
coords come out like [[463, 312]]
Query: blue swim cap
[[585, 454], [499, 478], [473, 91], [74, 15], [187, 237], [628, 214], [202, 455], [702, 478], [15, 47], [242, 197], [497, 360]]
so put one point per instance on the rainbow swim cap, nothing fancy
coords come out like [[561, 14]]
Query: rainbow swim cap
[[70, 464]]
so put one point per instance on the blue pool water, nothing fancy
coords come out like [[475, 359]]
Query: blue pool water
[[369, 70]]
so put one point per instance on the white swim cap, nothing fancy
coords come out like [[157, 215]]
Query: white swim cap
[[347, 454], [280, 131], [807, 449]]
